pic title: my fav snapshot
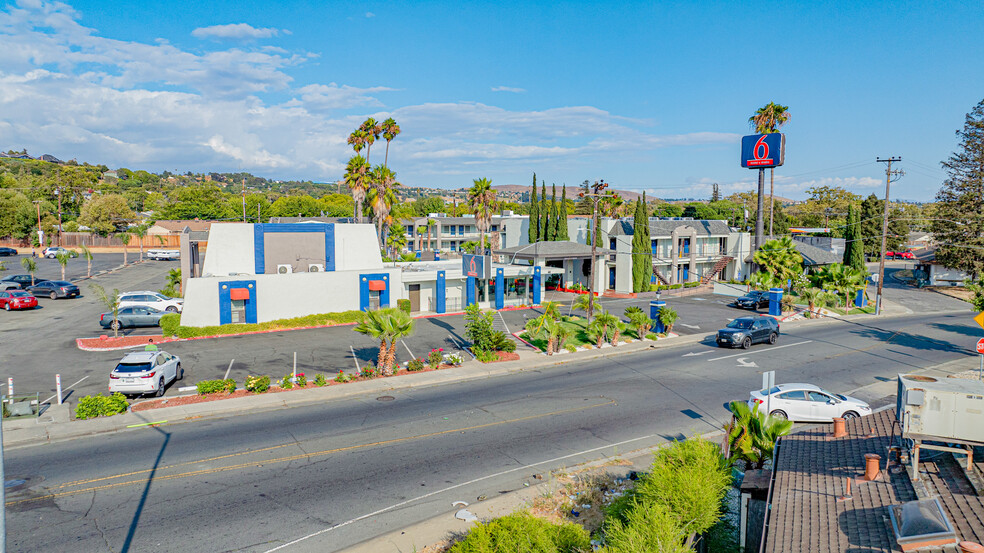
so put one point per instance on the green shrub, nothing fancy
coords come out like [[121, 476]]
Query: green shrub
[[435, 357], [788, 302], [341, 377], [170, 323], [101, 406], [691, 284], [648, 526], [368, 370], [257, 384], [454, 359], [501, 342], [415, 365], [524, 533], [571, 348], [632, 309], [301, 380], [320, 380], [323, 319], [286, 383], [486, 356], [676, 286], [403, 305], [214, 386]]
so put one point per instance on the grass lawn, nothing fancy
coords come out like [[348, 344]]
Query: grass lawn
[[870, 308], [578, 335]]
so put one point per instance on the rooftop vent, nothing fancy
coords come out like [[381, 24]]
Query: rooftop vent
[[919, 524]]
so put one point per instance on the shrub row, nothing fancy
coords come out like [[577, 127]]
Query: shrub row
[[171, 324], [213, 386], [90, 407]]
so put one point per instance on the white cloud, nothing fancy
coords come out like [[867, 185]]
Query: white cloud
[[508, 89], [370, 14], [234, 31]]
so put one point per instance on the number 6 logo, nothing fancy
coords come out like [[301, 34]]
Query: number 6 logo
[[761, 143]]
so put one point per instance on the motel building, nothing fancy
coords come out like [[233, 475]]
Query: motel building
[[255, 273]]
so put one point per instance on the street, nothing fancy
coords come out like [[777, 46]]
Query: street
[[347, 470]]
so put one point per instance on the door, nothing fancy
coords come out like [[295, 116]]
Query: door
[[821, 408], [414, 297], [794, 404], [611, 278]]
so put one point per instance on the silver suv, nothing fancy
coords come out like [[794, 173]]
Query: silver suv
[[151, 299]]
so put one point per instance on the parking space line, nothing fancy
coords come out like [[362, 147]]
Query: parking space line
[[408, 349], [226, 377], [746, 353], [66, 389], [354, 358]]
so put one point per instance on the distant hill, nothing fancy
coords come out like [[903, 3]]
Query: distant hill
[[572, 191]]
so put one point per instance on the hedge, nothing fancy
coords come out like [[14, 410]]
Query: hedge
[[171, 325], [524, 533], [101, 406]]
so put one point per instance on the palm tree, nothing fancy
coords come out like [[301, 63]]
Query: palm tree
[[668, 316], [618, 328], [372, 130], [482, 202], [780, 259], [381, 196], [125, 236], [30, 266], [396, 239], [400, 325], [63, 261], [752, 434], [88, 260], [640, 321], [602, 322], [112, 302], [358, 140], [581, 302], [421, 231], [357, 174], [140, 231], [390, 131], [768, 119], [551, 309], [431, 223]]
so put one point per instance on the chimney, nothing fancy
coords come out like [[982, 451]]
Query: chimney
[[871, 466], [970, 547], [839, 429]]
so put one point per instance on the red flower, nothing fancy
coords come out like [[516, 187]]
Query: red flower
[[300, 374], [442, 349]]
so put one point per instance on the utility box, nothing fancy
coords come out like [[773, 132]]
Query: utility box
[[941, 408]]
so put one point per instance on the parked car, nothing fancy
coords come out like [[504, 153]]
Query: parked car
[[8, 251], [22, 281], [163, 255], [806, 402], [17, 299], [745, 331], [753, 300], [145, 372], [900, 255], [131, 316], [153, 300], [54, 289], [53, 252]]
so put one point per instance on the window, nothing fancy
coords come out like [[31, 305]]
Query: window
[[798, 395], [655, 246], [238, 311], [451, 230], [722, 245], [817, 396], [374, 299], [495, 228], [461, 230]]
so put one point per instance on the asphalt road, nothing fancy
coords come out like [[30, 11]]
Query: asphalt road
[[351, 469], [50, 269]]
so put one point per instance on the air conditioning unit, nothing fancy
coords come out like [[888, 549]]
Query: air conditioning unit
[[285, 269], [941, 408], [316, 268]]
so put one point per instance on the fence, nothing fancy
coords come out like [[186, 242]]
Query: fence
[[451, 305], [76, 239]]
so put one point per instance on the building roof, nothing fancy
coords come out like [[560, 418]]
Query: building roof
[[180, 225], [661, 228], [810, 472], [812, 255], [291, 220], [551, 250]]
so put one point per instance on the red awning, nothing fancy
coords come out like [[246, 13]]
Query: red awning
[[239, 294], [377, 285]]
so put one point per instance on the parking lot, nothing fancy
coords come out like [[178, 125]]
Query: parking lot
[[40, 343]]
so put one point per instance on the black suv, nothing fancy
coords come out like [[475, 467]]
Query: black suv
[[756, 299], [745, 331]]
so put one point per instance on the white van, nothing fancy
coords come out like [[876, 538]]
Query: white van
[[164, 255]]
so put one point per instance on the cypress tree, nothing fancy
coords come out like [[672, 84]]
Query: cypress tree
[[642, 261], [534, 232], [853, 241], [562, 234], [554, 215], [544, 212], [647, 246]]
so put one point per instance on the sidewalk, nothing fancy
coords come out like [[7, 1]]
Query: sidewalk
[[56, 424]]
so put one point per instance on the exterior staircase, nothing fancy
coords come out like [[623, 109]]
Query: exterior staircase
[[660, 277], [718, 267]]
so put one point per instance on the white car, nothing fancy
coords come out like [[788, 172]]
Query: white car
[[53, 252], [806, 402], [164, 255], [145, 372], [154, 300]]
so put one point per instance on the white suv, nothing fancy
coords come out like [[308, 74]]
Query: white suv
[[151, 299]]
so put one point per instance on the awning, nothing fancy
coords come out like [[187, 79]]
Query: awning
[[377, 285], [239, 294]]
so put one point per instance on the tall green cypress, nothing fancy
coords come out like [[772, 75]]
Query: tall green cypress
[[544, 212], [534, 232], [562, 234], [641, 255], [554, 215], [853, 240]]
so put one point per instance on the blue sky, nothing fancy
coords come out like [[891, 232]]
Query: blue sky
[[647, 96]]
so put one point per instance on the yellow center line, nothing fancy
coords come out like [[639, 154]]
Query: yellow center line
[[285, 459]]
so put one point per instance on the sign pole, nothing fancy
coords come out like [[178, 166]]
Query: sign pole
[[759, 220]]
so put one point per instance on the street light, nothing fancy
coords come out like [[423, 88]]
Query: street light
[[595, 193]]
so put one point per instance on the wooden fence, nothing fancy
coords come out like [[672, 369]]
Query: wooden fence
[[76, 239]]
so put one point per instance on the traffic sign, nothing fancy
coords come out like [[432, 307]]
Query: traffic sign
[[980, 346], [759, 151], [979, 319]]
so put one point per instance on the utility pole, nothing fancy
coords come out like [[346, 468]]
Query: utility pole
[[58, 193], [889, 174], [595, 193], [37, 203], [244, 199]]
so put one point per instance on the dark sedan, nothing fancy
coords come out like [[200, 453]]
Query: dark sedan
[[745, 331], [54, 289], [756, 299], [8, 251], [23, 281], [132, 316]]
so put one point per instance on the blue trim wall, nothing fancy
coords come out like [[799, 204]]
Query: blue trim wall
[[469, 291], [655, 307], [775, 302], [500, 284], [259, 241], [536, 285], [225, 300], [440, 293], [384, 295]]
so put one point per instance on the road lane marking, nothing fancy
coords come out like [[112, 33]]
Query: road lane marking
[[226, 377], [286, 459], [760, 351], [456, 486], [408, 349], [742, 362], [354, 358], [695, 327], [692, 354]]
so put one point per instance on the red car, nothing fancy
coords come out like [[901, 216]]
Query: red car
[[899, 255], [17, 299]]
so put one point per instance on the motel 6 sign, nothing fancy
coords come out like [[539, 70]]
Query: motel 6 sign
[[761, 151]]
